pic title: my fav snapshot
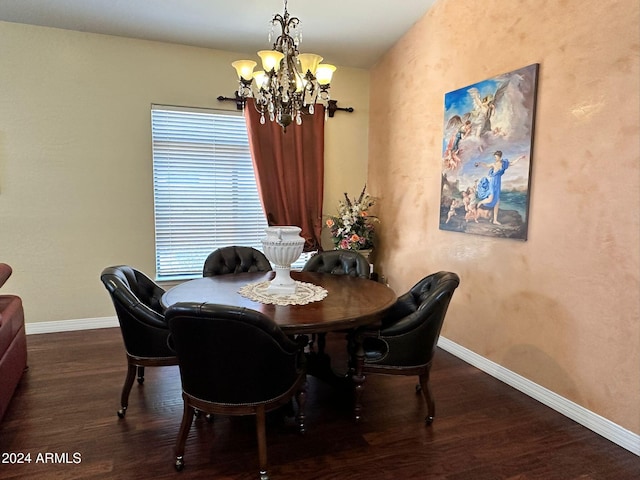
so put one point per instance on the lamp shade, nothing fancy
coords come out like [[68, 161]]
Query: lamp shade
[[324, 72], [259, 77], [270, 59], [309, 63], [244, 68]]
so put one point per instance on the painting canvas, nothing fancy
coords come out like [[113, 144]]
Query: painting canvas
[[486, 155]]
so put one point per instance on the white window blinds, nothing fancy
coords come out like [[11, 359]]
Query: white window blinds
[[205, 191]]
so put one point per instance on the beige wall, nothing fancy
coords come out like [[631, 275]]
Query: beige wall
[[75, 154], [561, 309]]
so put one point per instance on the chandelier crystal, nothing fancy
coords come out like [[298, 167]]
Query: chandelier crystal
[[290, 82]]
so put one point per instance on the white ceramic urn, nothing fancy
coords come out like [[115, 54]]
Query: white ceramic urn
[[282, 246]]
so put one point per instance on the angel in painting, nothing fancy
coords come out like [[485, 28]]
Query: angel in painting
[[474, 124], [451, 158], [485, 107]]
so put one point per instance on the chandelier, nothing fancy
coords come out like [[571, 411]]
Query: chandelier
[[290, 82]]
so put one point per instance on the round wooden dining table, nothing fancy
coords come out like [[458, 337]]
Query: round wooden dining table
[[350, 302]]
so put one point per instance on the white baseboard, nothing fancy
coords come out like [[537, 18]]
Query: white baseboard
[[71, 325], [600, 425]]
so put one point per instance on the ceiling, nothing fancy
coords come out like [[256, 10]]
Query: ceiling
[[348, 33]]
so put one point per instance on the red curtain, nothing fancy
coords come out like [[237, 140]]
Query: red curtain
[[289, 170]]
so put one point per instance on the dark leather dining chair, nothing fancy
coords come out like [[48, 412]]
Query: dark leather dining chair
[[235, 260], [136, 299], [234, 361], [339, 262], [405, 343]]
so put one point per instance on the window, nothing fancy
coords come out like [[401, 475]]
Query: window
[[205, 193]]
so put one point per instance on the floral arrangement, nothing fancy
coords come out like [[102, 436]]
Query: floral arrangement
[[353, 227]]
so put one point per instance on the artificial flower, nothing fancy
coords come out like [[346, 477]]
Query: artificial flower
[[353, 227]]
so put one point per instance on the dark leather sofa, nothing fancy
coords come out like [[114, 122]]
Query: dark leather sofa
[[13, 342]]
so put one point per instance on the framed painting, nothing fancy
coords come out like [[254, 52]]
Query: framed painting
[[486, 155]]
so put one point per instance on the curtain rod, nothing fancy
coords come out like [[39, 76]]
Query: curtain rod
[[332, 108]]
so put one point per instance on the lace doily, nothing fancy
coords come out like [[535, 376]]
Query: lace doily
[[305, 293]]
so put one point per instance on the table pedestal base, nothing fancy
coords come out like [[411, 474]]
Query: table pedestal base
[[319, 366]]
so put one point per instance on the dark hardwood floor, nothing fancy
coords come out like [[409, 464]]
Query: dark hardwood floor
[[484, 429]]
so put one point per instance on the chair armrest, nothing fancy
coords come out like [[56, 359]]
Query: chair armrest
[[5, 273], [402, 326], [139, 310]]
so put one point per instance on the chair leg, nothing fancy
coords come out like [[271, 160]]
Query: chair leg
[[140, 375], [358, 377], [301, 398], [185, 426], [262, 441], [126, 389], [351, 351], [428, 397]]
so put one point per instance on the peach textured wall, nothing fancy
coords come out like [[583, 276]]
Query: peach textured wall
[[562, 308]]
